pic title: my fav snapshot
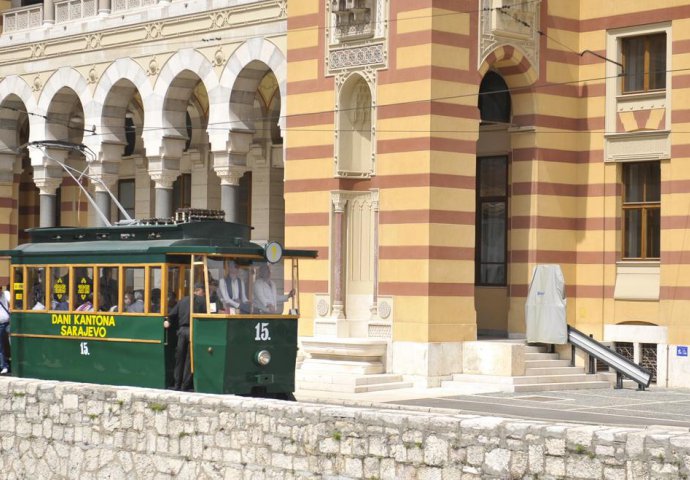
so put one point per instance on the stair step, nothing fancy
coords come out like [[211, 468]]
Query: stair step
[[553, 370], [544, 387], [552, 379], [546, 363], [535, 349], [541, 356], [379, 387]]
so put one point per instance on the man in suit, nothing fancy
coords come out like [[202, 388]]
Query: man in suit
[[232, 291]]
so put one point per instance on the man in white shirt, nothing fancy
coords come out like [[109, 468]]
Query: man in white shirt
[[4, 329], [231, 290], [266, 297]]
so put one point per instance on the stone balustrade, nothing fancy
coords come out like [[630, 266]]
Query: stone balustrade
[[22, 18], [68, 430]]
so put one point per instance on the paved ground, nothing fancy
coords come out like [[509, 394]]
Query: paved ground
[[626, 407]]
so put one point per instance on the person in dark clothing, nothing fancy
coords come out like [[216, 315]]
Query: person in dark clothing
[[179, 319]]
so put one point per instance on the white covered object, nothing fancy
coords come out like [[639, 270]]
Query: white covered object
[[545, 306]]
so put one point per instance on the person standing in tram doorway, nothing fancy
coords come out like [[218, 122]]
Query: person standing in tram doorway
[[179, 319], [4, 330]]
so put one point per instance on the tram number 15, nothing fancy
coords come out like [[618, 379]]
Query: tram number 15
[[262, 332]]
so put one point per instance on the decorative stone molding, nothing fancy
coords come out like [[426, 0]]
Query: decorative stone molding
[[24, 18], [92, 76], [164, 179], [637, 146], [153, 67], [153, 30], [37, 84], [360, 56], [230, 174], [363, 21], [509, 22], [93, 41], [219, 58], [38, 50]]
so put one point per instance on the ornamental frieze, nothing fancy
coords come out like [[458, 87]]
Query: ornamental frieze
[[362, 56]]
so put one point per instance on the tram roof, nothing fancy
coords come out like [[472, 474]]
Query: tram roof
[[210, 237]]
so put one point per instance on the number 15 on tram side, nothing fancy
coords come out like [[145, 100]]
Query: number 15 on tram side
[[89, 305]]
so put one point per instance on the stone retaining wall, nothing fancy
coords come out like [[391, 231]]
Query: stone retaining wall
[[66, 430]]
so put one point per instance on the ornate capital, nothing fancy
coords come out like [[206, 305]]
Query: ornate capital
[[339, 201], [230, 174], [48, 185], [164, 178]]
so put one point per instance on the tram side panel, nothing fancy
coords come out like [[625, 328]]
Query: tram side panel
[[226, 355], [89, 347]]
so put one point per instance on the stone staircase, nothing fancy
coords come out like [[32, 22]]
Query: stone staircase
[[543, 372], [347, 365], [350, 383]]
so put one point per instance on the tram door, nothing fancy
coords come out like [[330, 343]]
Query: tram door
[[174, 289]]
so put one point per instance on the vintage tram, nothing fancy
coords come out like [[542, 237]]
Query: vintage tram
[[89, 304]]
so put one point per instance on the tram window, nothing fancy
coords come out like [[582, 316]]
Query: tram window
[[233, 289], [174, 286], [36, 280], [134, 285], [59, 288], [215, 276], [156, 286], [18, 288], [83, 289], [107, 288]]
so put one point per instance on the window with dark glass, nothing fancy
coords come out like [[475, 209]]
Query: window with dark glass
[[182, 191], [494, 99], [641, 210], [644, 63], [125, 195], [491, 223]]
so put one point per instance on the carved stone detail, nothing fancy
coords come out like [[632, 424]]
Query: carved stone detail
[[93, 41], [154, 30], [357, 57], [153, 67], [510, 22], [92, 76], [365, 21], [38, 50]]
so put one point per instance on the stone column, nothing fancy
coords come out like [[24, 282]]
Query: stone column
[[163, 170], [375, 294], [103, 7], [339, 203], [47, 186], [164, 188], [104, 174], [230, 164], [48, 12], [229, 190]]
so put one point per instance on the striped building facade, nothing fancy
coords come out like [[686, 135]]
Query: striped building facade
[[437, 151]]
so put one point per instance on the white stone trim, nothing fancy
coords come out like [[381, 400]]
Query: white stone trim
[[184, 60]]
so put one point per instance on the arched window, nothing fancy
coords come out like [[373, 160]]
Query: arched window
[[494, 99]]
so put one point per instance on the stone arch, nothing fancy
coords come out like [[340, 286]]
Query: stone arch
[[16, 94], [54, 92], [517, 71], [115, 89], [354, 138], [238, 83], [164, 113]]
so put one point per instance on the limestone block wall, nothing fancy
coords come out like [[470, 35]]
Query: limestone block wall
[[66, 430]]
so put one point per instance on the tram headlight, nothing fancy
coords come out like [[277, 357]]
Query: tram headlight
[[263, 357]]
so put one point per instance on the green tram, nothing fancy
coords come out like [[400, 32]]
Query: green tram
[[89, 305]]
